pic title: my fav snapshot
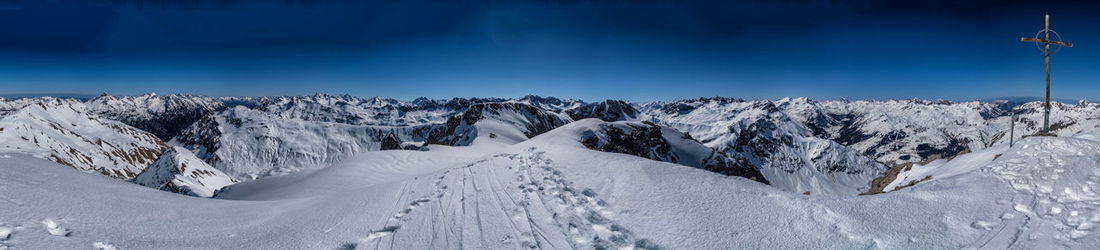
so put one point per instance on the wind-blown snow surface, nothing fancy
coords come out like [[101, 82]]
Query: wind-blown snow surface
[[551, 192]]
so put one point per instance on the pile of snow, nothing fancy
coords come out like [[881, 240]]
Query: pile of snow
[[62, 130], [180, 171]]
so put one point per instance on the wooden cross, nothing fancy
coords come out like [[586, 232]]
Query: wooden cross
[[1046, 41]]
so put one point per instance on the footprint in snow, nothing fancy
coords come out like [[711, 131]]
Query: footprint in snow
[[55, 229], [5, 233], [103, 246]]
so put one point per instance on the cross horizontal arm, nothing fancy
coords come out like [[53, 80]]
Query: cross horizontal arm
[[1029, 39]]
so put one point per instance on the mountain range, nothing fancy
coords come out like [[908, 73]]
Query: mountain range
[[263, 148], [799, 145]]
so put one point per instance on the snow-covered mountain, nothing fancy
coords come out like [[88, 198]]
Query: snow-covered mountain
[[551, 192], [648, 140], [785, 150], [163, 115], [893, 132], [180, 171], [353, 110], [65, 131], [247, 143], [902, 131], [550, 103], [1065, 119], [510, 121], [609, 110], [800, 145]]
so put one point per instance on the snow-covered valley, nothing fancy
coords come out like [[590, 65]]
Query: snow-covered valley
[[341, 172]]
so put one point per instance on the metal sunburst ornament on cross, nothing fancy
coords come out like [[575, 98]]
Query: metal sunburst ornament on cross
[[1045, 47]]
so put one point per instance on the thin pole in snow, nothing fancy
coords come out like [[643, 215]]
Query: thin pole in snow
[[1012, 130]]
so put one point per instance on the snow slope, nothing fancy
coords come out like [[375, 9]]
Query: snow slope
[[62, 130], [552, 192], [1053, 184], [180, 171]]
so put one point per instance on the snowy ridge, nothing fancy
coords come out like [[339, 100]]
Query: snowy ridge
[[1065, 119], [366, 111], [609, 110], [63, 130], [513, 122], [249, 144], [164, 116], [180, 171], [550, 103], [904, 131], [783, 148], [648, 140]]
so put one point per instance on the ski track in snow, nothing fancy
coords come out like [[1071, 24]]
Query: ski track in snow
[[540, 208]]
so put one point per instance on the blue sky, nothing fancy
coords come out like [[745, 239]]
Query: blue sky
[[633, 50]]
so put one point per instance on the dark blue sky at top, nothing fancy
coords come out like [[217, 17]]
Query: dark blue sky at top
[[625, 49]]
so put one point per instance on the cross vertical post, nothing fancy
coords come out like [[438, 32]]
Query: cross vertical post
[[1012, 130], [1046, 41], [1046, 64]]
